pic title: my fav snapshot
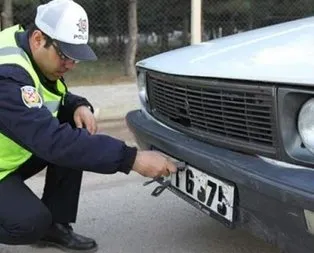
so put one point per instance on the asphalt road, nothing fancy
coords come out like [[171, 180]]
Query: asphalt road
[[122, 216]]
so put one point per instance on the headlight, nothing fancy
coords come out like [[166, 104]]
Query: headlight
[[306, 124], [141, 83]]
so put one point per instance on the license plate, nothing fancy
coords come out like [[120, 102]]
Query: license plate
[[212, 193]]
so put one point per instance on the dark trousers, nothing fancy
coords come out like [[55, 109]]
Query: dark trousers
[[24, 217]]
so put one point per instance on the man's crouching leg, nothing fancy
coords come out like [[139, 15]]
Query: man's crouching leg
[[61, 196], [24, 218]]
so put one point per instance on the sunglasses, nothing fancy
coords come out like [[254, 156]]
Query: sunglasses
[[62, 56]]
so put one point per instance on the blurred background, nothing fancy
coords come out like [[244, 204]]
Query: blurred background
[[125, 31]]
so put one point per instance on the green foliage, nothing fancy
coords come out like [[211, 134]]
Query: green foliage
[[162, 14], [26, 2], [235, 15]]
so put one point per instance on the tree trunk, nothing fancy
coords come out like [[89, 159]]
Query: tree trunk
[[186, 30], [114, 41], [250, 20], [132, 41], [7, 14], [164, 35]]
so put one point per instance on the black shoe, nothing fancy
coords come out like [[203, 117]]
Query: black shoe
[[63, 237]]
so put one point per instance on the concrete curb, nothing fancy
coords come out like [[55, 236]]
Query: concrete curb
[[103, 114]]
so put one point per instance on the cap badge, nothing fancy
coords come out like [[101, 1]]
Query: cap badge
[[82, 25], [31, 97]]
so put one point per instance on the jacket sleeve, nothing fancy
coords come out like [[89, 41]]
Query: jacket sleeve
[[58, 143], [72, 101]]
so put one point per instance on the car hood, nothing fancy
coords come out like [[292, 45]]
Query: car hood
[[279, 53]]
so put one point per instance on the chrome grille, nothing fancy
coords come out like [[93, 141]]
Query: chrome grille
[[221, 111]]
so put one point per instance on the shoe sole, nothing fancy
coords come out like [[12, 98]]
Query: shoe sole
[[42, 244]]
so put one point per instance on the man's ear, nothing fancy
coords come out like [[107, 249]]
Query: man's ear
[[37, 39]]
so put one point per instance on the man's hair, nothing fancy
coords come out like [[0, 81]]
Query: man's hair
[[33, 27]]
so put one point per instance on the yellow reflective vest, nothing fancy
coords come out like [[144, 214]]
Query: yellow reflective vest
[[12, 155]]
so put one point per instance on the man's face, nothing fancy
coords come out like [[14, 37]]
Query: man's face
[[49, 59]]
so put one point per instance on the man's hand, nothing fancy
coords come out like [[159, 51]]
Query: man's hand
[[83, 117], [153, 164]]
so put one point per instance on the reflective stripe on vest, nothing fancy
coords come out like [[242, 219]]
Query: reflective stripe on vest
[[13, 50], [52, 106]]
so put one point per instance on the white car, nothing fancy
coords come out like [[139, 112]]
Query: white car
[[237, 114]]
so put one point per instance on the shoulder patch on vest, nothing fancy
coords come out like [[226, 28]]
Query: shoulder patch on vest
[[31, 97]]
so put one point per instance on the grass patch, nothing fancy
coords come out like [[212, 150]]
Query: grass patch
[[97, 72]]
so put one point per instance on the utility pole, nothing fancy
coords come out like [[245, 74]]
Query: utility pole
[[196, 21]]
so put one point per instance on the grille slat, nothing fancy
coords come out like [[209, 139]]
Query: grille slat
[[224, 106], [215, 113], [230, 111], [233, 125], [238, 134]]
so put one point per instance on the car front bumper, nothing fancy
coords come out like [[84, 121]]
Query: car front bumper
[[270, 199]]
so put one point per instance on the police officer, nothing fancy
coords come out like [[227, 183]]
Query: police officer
[[42, 124]]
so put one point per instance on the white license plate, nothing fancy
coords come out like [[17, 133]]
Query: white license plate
[[214, 194]]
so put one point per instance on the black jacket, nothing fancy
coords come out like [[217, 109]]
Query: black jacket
[[53, 139]]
